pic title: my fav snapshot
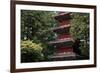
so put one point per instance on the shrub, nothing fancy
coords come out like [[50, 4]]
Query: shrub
[[31, 52]]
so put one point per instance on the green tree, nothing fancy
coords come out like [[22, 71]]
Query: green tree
[[36, 27], [80, 30]]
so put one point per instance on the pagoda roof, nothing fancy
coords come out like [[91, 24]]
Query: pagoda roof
[[61, 27], [67, 55], [63, 16], [61, 41]]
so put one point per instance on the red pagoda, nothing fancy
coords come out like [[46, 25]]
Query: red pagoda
[[63, 43]]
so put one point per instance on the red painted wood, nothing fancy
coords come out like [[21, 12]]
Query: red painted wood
[[61, 50], [62, 36], [65, 22]]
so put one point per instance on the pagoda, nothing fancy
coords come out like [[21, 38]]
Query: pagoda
[[64, 42]]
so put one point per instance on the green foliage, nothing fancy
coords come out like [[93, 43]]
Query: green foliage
[[31, 52], [49, 50], [84, 50], [80, 30], [80, 25], [35, 33], [30, 44], [35, 25]]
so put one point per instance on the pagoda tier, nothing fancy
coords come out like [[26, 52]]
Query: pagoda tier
[[62, 45], [61, 23], [63, 56], [64, 35], [62, 29], [63, 16], [62, 42]]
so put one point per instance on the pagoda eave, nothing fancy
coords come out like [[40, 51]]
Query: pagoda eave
[[61, 41], [61, 27], [63, 14]]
